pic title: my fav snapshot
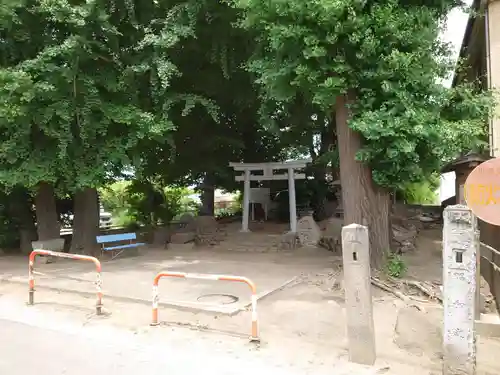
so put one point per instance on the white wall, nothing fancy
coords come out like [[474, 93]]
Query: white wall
[[446, 186]]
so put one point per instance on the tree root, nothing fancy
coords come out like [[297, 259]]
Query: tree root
[[386, 287], [380, 284], [424, 289]]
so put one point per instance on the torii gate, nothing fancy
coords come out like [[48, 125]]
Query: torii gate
[[268, 175]]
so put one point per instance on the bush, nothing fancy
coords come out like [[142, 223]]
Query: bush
[[179, 201], [224, 213], [123, 219], [145, 203], [114, 197], [421, 192], [234, 208], [395, 266]]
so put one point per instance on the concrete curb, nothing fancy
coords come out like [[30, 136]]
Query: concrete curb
[[179, 305]]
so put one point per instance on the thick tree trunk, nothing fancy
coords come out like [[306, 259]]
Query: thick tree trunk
[[20, 208], [48, 226], [85, 222], [363, 202], [332, 133], [319, 199], [207, 197], [328, 141]]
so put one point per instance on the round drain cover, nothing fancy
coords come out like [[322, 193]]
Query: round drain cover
[[219, 299]]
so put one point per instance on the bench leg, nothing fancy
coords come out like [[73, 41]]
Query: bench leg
[[116, 253]]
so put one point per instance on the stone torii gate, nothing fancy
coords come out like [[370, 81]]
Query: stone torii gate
[[267, 170]]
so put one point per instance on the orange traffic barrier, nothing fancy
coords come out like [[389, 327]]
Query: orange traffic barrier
[[34, 253], [156, 297]]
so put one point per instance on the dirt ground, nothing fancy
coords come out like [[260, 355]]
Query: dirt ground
[[302, 324]]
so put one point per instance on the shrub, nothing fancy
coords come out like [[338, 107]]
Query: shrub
[[395, 266], [145, 203]]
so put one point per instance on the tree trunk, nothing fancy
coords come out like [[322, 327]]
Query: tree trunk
[[328, 140], [319, 199], [20, 208], [332, 133], [207, 197], [85, 222], [363, 202], [48, 226]]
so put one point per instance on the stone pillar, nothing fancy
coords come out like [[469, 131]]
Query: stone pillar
[[292, 200], [460, 248], [246, 202], [358, 297]]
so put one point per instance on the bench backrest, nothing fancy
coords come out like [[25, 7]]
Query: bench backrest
[[116, 237]]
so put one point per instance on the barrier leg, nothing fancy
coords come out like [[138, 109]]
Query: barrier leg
[[255, 325], [255, 328], [98, 306], [156, 298], [31, 293]]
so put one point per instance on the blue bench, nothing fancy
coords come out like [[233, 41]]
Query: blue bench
[[118, 248]]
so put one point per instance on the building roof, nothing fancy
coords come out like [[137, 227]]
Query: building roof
[[471, 157]]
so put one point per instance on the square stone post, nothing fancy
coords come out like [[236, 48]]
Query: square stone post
[[292, 200], [246, 202], [358, 297], [460, 248]]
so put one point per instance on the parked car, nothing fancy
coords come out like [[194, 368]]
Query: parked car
[[104, 219]]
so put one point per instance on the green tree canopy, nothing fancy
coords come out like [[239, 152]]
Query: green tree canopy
[[388, 54], [83, 85], [211, 65]]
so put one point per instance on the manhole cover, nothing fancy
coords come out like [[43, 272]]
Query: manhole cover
[[220, 299]]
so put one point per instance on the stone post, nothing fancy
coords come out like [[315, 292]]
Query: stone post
[[358, 297], [246, 202], [460, 248], [292, 200]]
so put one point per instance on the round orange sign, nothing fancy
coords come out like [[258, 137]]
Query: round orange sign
[[482, 191]]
